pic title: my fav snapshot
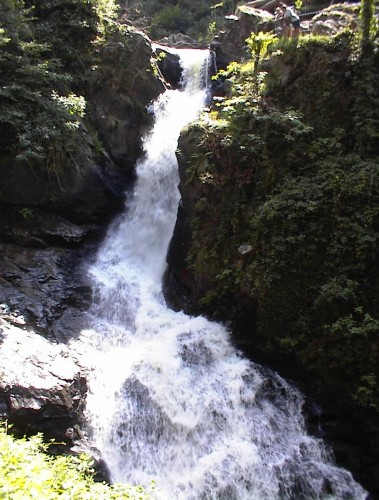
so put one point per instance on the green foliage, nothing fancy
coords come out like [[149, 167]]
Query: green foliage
[[106, 10], [212, 31], [49, 53], [195, 18], [307, 204], [28, 472], [36, 122], [258, 44], [75, 105], [247, 79], [170, 19], [26, 213], [368, 21]]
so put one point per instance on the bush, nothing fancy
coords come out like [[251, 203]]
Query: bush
[[28, 472]]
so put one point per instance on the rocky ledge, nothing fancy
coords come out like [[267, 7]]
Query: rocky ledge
[[42, 387]]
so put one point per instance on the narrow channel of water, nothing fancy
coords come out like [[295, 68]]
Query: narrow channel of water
[[170, 399]]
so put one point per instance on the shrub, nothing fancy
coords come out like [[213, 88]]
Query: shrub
[[28, 472]]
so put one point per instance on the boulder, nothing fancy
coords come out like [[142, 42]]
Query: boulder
[[230, 45], [42, 387], [169, 65]]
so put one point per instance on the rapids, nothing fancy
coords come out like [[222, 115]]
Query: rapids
[[170, 399]]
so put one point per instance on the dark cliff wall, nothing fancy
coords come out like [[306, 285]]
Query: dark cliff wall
[[74, 93]]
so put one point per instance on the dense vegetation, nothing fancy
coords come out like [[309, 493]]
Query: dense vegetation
[[200, 19], [28, 472], [54, 56], [287, 217], [287, 220], [38, 68]]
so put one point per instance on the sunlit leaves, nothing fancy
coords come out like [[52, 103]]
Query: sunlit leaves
[[28, 472]]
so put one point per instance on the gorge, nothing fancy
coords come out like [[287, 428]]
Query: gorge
[[275, 239], [169, 398]]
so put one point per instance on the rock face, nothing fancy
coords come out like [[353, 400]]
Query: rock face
[[88, 189], [230, 44], [51, 219], [40, 284], [42, 388], [123, 85], [43, 295]]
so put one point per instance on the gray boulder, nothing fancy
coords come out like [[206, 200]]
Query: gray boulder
[[42, 388]]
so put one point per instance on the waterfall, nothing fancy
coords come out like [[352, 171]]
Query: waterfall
[[170, 399]]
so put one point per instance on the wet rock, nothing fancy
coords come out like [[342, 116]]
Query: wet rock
[[178, 278], [37, 228], [38, 285], [71, 322], [42, 387], [169, 65]]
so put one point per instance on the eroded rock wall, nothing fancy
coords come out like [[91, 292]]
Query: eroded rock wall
[[53, 213]]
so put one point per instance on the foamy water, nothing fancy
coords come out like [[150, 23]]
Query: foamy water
[[170, 399]]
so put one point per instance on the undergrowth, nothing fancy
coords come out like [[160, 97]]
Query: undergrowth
[[28, 472]]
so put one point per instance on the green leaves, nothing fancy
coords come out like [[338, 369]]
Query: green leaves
[[28, 472], [35, 124], [368, 20], [302, 192], [45, 52]]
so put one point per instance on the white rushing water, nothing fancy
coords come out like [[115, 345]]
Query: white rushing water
[[170, 399]]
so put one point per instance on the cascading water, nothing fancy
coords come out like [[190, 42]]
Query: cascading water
[[170, 398]]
